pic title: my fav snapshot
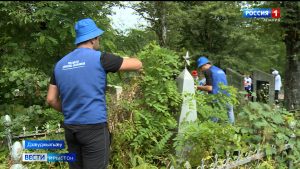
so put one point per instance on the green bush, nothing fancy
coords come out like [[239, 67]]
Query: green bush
[[202, 139], [148, 128]]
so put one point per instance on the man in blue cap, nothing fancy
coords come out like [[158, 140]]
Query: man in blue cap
[[77, 88], [214, 76]]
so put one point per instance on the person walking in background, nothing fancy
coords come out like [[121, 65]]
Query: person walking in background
[[248, 85], [213, 76], [278, 85], [77, 89]]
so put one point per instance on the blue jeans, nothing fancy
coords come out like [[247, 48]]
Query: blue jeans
[[230, 114]]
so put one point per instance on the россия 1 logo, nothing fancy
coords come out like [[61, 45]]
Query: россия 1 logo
[[262, 13]]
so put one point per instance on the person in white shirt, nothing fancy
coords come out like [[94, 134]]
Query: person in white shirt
[[247, 85], [277, 84]]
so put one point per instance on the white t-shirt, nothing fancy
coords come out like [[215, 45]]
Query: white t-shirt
[[247, 81], [202, 82]]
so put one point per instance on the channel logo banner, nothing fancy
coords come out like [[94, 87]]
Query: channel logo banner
[[257, 13], [67, 157], [262, 13], [48, 157], [30, 157], [43, 144]]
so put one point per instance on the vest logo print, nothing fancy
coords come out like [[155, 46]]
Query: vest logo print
[[220, 72], [73, 65]]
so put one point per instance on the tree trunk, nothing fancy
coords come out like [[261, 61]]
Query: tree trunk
[[164, 26], [290, 23], [161, 30]]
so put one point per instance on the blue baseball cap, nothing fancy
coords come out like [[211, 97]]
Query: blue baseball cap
[[86, 29], [202, 61]]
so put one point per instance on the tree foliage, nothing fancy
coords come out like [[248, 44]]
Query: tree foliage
[[34, 37], [213, 28], [133, 42]]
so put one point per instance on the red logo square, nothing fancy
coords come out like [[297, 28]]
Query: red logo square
[[275, 12]]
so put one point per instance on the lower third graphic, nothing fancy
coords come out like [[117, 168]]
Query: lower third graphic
[[48, 157]]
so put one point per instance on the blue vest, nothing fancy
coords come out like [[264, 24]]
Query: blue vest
[[218, 76], [81, 81]]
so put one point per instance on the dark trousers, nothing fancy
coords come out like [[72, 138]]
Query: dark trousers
[[90, 143], [276, 96], [248, 89]]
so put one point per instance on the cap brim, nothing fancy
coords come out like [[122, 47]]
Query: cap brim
[[89, 36], [199, 66]]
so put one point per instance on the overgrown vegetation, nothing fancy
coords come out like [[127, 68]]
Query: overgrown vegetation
[[150, 123], [35, 35]]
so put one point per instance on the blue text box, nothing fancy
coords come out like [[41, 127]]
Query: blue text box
[[66, 157], [31, 157], [257, 13], [44, 144]]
